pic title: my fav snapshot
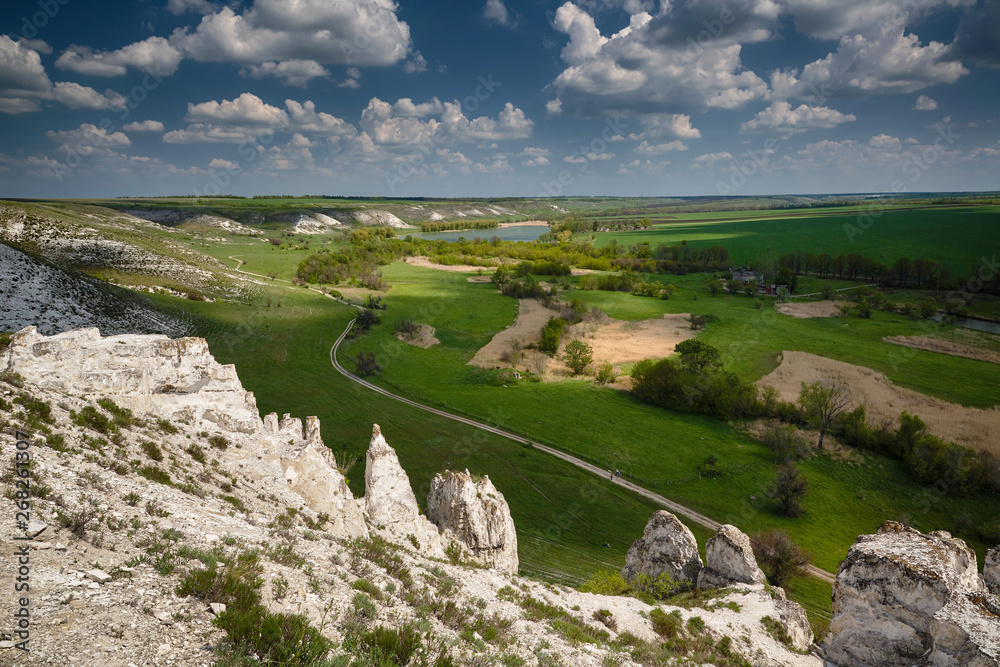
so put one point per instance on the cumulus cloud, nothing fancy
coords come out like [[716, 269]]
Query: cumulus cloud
[[294, 72], [89, 135], [657, 64], [145, 126], [152, 56], [540, 161], [247, 117], [76, 96], [925, 103], [655, 126], [329, 32], [400, 124], [976, 39], [645, 148], [781, 116], [884, 60], [831, 20]]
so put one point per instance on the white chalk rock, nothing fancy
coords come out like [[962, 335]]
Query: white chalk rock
[[667, 546]]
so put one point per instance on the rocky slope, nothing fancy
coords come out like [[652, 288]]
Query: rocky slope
[[158, 493], [33, 292]]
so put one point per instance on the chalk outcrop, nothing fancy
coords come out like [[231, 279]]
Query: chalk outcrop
[[476, 516], [390, 505], [150, 374], [729, 560], [667, 546], [991, 570], [904, 598]]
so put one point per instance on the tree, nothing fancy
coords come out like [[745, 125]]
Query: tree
[[578, 356], [779, 557], [714, 286], [551, 335], [827, 290], [822, 402], [787, 277], [785, 441], [365, 364], [789, 488], [696, 354]]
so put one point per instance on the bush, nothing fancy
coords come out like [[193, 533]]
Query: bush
[[197, 453], [154, 474], [384, 646], [366, 319], [789, 488], [93, 419], [152, 451], [551, 335], [407, 328], [785, 441], [218, 441], [123, 417], [365, 364], [778, 556], [606, 373]]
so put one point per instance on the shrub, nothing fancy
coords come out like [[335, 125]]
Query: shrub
[[152, 451], [384, 646], [365, 364], [218, 441], [606, 373], [91, 418], [778, 556], [165, 426], [785, 441], [407, 328], [123, 417], [789, 488], [666, 625], [551, 335], [155, 474], [197, 453]]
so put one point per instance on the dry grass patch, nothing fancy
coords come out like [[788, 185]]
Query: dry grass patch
[[527, 328], [945, 347], [422, 337], [885, 401], [804, 309]]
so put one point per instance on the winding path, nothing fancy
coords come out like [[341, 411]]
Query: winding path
[[677, 508]]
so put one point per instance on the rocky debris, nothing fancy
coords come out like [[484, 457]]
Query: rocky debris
[[100, 576], [150, 374], [216, 608], [667, 546], [729, 560], [904, 598], [478, 517], [35, 528], [991, 570], [390, 505]]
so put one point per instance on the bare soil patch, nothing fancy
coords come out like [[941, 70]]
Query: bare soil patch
[[885, 401], [527, 328], [809, 309], [945, 347], [424, 337], [420, 260], [615, 341]]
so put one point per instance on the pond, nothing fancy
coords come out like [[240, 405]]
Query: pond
[[974, 323], [526, 233]]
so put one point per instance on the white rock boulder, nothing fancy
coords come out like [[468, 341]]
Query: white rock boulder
[[903, 598], [390, 505], [475, 514], [667, 546], [729, 560], [153, 374]]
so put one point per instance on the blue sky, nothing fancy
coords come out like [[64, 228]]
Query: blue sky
[[498, 97]]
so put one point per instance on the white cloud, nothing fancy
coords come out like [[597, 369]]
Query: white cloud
[[654, 65], [247, 110], [247, 117], [781, 116], [294, 72], [152, 56], [709, 159], [534, 151], [675, 126], [228, 165], [645, 148], [985, 151], [884, 60], [831, 20], [145, 126], [329, 32], [540, 161], [39, 45], [496, 11], [415, 65], [511, 123], [76, 96], [384, 127], [89, 135], [925, 103], [406, 108]]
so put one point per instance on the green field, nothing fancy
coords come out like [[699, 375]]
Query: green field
[[955, 236]]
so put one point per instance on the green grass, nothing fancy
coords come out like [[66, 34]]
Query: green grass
[[956, 236], [654, 445]]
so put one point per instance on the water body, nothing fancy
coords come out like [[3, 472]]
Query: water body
[[528, 233], [974, 323]]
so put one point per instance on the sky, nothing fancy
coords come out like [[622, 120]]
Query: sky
[[487, 98]]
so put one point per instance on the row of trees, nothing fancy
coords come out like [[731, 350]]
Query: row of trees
[[904, 272], [457, 225]]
